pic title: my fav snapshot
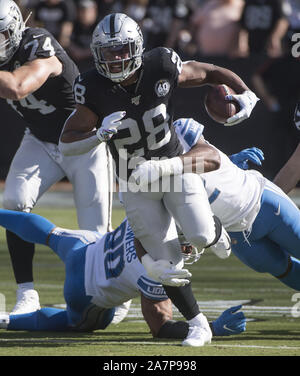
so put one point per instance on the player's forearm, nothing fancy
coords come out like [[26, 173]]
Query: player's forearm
[[197, 74], [79, 132], [9, 87], [201, 158], [76, 145], [219, 75]]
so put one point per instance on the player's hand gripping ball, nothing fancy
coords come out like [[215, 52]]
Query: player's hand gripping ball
[[217, 106]]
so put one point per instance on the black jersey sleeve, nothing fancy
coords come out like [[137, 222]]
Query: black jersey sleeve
[[38, 43], [85, 90], [171, 64]]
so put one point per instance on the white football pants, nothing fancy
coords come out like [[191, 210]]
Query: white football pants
[[37, 165], [153, 217]]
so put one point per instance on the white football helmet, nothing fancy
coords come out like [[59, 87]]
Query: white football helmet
[[11, 29], [117, 34]]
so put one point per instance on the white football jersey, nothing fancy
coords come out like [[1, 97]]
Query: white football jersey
[[113, 272], [234, 194]]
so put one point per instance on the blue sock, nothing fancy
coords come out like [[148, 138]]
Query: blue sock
[[30, 227], [292, 279], [45, 319]]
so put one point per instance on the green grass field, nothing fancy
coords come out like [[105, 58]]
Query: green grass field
[[218, 284]]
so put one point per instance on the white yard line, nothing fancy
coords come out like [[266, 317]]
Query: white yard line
[[127, 343]]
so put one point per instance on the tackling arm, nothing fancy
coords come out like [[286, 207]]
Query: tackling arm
[[28, 78], [158, 315], [204, 153], [201, 158]]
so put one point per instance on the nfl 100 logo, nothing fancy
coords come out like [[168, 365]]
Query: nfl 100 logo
[[162, 87]]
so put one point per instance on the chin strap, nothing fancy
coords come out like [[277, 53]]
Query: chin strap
[[29, 15]]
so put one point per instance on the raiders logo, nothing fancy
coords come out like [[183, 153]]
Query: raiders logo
[[162, 87]]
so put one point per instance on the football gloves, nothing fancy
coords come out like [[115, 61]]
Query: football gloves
[[109, 126], [230, 322], [150, 171], [246, 101], [164, 272], [241, 159]]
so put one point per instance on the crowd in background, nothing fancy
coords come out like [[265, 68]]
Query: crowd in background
[[196, 29], [254, 38]]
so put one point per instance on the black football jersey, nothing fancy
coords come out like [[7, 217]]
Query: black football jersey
[[46, 110], [147, 129]]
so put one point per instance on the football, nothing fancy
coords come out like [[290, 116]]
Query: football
[[217, 107]]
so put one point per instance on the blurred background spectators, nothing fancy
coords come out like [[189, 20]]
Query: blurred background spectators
[[254, 38]]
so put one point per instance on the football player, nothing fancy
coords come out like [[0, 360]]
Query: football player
[[36, 78], [289, 175], [102, 271], [128, 96], [262, 221]]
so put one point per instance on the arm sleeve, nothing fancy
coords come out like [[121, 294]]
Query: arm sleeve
[[151, 290], [171, 64], [188, 131], [39, 44]]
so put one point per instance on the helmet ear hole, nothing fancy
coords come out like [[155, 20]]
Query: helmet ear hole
[[116, 31]]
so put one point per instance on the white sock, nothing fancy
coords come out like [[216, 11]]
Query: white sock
[[199, 320], [26, 286]]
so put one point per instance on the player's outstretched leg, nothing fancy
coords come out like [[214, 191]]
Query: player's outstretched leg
[[30, 228], [265, 256], [44, 319]]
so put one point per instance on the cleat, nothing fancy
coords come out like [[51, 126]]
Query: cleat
[[27, 301], [222, 248], [199, 332], [121, 312], [197, 337]]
